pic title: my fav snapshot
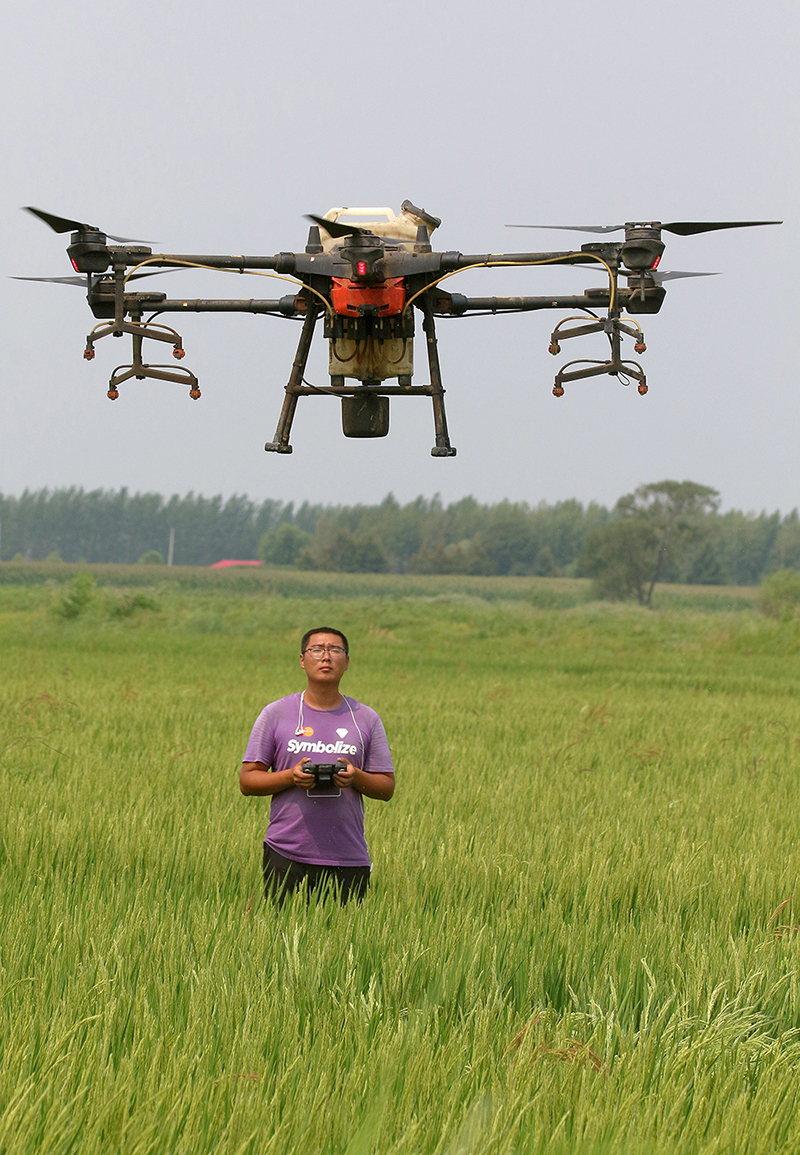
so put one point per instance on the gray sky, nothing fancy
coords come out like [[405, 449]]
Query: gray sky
[[214, 127]]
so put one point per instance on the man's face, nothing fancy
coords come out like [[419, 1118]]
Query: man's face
[[328, 665]]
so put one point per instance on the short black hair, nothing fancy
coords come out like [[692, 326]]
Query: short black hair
[[323, 630]]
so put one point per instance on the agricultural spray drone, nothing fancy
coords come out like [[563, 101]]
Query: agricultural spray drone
[[366, 272]]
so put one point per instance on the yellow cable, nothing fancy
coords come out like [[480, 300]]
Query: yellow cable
[[214, 269], [173, 262], [519, 265], [143, 325], [578, 317]]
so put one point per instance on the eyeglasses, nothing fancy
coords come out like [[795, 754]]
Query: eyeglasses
[[318, 651]]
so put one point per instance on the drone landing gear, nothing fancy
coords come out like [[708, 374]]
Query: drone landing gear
[[615, 367], [595, 368], [442, 448], [158, 372], [138, 369], [365, 407], [294, 389]]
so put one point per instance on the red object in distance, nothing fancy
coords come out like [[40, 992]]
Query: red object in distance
[[231, 561]]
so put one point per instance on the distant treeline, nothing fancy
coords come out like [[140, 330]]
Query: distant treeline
[[423, 536]]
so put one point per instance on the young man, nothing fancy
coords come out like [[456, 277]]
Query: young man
[[318, 834]]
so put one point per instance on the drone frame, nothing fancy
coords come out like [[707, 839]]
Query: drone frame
[[361, 259]]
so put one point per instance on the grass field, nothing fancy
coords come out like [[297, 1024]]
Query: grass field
[[582, 930]]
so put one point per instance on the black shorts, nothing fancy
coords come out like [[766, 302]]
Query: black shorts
[[282, 877]]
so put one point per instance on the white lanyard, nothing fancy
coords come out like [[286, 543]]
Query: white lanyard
[[301, 728]]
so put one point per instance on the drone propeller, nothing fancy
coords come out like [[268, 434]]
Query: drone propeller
[[657, 275], [680, 228], [336, 229], [64, 225], [81, 282]]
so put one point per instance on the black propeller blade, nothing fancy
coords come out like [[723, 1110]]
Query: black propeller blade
[[657, 275], [82, 281], [680, 228], [690, 228], [64, 225], [79, 281], [335, 229], [60, 224], [674, 275], [572, 228]]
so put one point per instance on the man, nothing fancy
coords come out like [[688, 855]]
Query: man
[[317, 834]]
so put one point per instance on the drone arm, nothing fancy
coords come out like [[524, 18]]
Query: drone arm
[[456, 305], [289, 306], [280, 263], [454, 261]]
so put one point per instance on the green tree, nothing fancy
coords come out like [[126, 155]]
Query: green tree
[[652, 527], [283, 545], [676, 510], [508, 540], [435, 556], [339, 550], [619, 558]]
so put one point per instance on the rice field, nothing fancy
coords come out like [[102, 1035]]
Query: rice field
[[583, 931]]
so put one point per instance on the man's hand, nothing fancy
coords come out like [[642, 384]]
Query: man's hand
[[299, 776], [345, 776]]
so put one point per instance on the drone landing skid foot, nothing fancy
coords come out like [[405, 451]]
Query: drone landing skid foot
[[157, 372], [628, 369], [277, 447]]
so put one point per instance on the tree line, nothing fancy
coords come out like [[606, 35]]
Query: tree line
[[668, 531]]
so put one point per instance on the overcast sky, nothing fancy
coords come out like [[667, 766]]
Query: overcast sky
[[214, 127]]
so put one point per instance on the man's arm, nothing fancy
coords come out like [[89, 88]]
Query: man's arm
[[257, 778], [375, 785]]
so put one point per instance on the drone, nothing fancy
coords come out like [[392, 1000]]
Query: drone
[[366, 273]]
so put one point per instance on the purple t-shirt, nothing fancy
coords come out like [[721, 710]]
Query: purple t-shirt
[[326, 831]]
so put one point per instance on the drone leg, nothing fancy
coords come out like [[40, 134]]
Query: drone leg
[[442, 448], [137, 354], [283, 432]]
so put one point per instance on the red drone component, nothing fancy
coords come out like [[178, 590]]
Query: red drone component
[[386, 299]]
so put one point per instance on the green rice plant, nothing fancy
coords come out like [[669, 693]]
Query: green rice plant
[[125, 604], [581, 934], [779, 594], [73, 601]]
